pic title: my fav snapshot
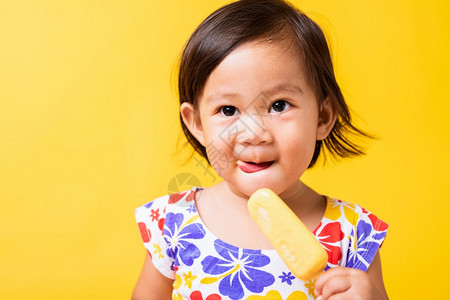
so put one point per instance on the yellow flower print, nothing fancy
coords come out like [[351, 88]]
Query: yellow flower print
[[272, 295], [210, 280], [158, 250], [275, 295], [188, 278], [297, 295], [338, 208], [177, 296], [177, 283], [310, 286]]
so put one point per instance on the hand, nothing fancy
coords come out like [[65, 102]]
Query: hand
[[345, 283]]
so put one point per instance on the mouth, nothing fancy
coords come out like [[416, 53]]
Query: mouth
[[251, 167]]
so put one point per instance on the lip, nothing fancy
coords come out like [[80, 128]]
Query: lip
[[250, 167]]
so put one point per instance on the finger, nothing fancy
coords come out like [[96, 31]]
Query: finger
[[335, 297], [342, 296], [335, 286], [330, 273]]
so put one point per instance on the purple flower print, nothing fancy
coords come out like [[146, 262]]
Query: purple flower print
[[364, 245], [178, 235], [287, 277], [191, 209], [148, 205], [237, 269]]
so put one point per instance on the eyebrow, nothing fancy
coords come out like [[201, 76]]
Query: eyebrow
[[273, 90], [219, 95], [283, 88]]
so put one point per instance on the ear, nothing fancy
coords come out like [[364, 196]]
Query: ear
[[192, 121], [327, 118]]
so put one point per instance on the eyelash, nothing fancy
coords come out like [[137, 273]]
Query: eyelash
[[285, 103], [234, 109], [221, 110]]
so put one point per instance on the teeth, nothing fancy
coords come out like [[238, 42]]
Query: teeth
[[241, 162]]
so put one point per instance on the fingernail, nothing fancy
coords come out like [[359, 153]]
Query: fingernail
[[319, 298]]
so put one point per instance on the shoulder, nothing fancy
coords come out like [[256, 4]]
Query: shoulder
[[152, 216], [168, 203], [158, 222], [357, 231], [346, 212]]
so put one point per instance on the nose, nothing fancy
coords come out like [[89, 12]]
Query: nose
[[254, 130]]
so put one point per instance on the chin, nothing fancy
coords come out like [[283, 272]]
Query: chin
[[245, 189], [248, 188]]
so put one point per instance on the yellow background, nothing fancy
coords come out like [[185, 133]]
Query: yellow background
[[89, 128]]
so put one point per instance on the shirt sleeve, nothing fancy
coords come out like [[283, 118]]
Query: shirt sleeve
[[150, 219], [366, 238]]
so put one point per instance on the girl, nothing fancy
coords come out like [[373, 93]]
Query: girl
[[259, 101]]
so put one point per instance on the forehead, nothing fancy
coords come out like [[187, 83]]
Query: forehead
[[257, 67]]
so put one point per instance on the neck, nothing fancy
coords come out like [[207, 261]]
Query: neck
[[299, 196]]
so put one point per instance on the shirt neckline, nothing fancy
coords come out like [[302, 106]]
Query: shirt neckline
[[232, 247]]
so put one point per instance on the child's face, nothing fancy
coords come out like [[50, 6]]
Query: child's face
[[259, 119]]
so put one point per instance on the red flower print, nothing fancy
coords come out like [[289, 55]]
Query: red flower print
[[378, 224], [145, 233], [161, 224], [174, 198], [197, 295], [190, 197], [329, 236], [154, 215]]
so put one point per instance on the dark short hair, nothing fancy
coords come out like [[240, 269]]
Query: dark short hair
[[268, 20]]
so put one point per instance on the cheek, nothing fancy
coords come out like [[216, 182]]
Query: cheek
[[219, 133], [218, 151], [299, 147], [208, 130], [299, 150], [220, 159]]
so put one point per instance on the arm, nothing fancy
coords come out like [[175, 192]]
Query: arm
[[346, 283], [152, 285]]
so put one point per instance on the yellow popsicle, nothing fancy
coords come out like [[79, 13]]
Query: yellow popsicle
[[293, 241]]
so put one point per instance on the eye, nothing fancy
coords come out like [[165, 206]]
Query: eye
[[228, 111], [279, 106]]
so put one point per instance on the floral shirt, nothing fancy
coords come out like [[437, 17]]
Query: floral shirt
[[204, 267]]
